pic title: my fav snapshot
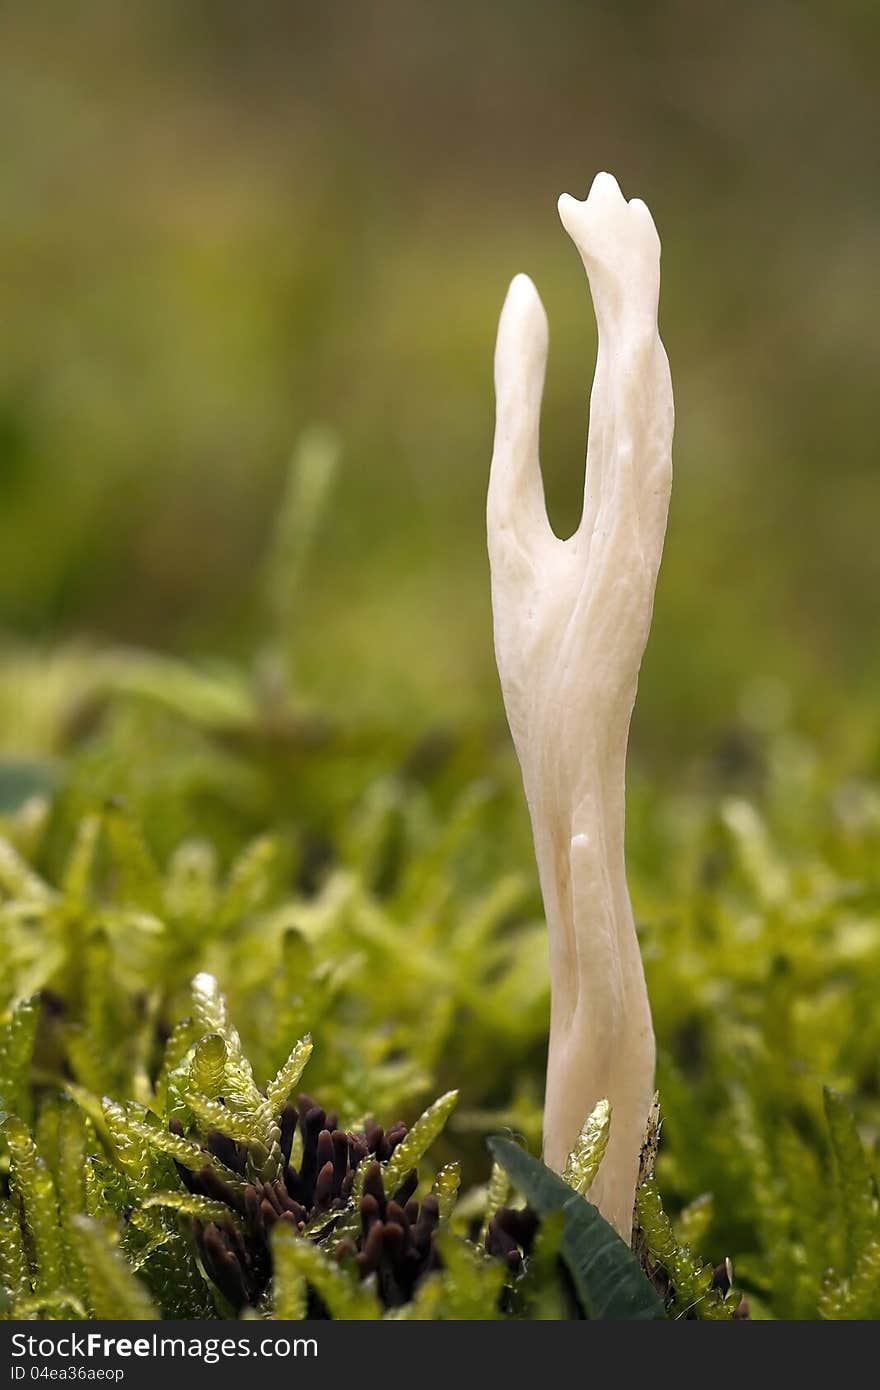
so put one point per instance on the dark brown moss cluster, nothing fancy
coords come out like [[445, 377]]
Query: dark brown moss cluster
[[396, 1237], [510, 1235]]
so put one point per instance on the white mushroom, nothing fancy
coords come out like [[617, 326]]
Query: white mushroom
[[571, 622]]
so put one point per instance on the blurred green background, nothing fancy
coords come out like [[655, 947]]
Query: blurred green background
[[221, 223]]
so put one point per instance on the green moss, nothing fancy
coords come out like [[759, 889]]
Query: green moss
[[366, 905]]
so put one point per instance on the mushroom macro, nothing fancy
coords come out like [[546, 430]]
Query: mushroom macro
[[571, 621]]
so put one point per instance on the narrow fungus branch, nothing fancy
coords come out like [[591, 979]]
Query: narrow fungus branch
[[571, 623]]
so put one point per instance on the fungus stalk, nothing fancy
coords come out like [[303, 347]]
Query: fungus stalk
[[571, 622]]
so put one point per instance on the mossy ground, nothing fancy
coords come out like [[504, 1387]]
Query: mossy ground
[[378, 893]]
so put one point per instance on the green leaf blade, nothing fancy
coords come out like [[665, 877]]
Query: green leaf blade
[[607, 1277]]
